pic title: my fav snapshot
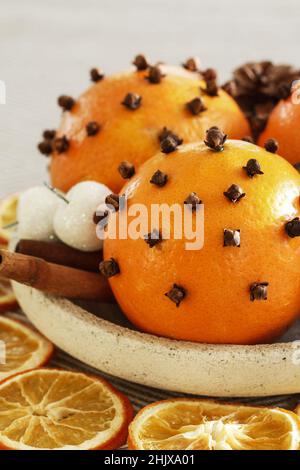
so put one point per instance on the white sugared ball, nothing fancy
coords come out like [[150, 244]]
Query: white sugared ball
[[73, 223], [35, 213]]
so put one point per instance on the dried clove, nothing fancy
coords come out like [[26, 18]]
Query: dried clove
[[132, 101], [196, 106], [153, 238], [232, 237], [165, 132], [159, 178], [96, 75], [234, 193], [109, 268], [155, 74], [176, 294], [140, 62], [66, 102], [292, 228], [249, 139], [271, 145], [169, 144], [126, 170], [253, 168], [193, 200], [61, 144], [192, 64], [92, 128], [215, 139], [45, 147], [113, 200], [259, 291], [97, 217]]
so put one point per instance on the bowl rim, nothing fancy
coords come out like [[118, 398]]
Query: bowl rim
[[222, 370]]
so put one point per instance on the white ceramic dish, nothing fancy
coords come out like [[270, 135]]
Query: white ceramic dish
[[104, 339]]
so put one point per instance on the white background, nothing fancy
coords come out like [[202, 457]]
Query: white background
[[48, 46]]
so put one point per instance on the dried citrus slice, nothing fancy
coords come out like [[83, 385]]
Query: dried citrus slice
[[24, 348], [62, 410], [8, 216], [8, 300], [298, 410], [207, 425]]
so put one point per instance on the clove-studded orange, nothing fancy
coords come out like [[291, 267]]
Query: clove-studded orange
[[129, 112], [243, 285], [283, 125]]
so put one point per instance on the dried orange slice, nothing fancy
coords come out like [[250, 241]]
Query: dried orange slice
[[8, 300], [61, 410], [298, 410], [24, 348], [8, 216], [208, 425]]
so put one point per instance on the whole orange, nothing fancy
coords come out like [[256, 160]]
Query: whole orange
[[283, 125], [243, 293], [132, 134]]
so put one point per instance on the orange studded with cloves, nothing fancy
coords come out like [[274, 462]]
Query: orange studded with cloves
[[121, 118], [243, 285], [283, 125]]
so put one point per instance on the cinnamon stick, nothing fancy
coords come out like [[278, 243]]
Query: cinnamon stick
[[59, 253], [54, 279]]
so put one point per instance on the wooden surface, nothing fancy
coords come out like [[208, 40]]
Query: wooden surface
[[48, 46]]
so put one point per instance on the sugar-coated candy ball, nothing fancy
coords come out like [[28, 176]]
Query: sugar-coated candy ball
[[73, 222], [35, 214]]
